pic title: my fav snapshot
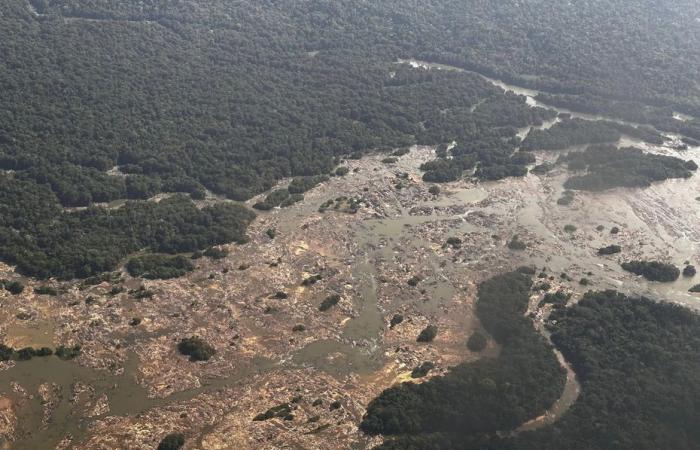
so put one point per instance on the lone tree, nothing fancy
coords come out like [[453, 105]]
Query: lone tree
[[173, 441], [196, 349]]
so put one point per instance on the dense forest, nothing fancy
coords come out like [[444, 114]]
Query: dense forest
[[489, 395], [103, 101], [44, 241], [638, 363]]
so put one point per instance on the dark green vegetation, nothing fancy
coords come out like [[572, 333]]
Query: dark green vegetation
[[85, 243], [342, 204], [485, 396], [428, 334], [638, 363], [26, 353], [414, 280], [695, 289], [196, 349], [14, 287], [283, 411], [516, 244], [571, 132], [422, 370], [453, 242], [477, 342], [610, 250], [607, 167], [653, 270], [567, 198], [689, 271], [232, 96], [157, 266], [329, 302], [395, 320], [558, 299], [66, 353], [46, 290], [173, 441]]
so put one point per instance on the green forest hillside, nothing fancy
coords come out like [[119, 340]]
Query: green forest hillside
[[102, 101]]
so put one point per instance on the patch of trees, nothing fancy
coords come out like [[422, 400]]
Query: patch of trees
[[172, 441], [349, 205], [195, 348], [66, 353], [23, 354], [567, 198], [653, 270], [516, 244], [638, 362], [571, 132], [14, 287], [396, 319], [428, 334], [558, 299], [607, 167], [610, 250], [661, 118], [215, 253], [480, 397], [283, 411], [422, 370], [46, 290], [329, 302], [156, 266], [489, 153], [300, 185], [689, 271], [42, 241]]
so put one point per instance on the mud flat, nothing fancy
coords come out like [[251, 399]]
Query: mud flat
[[129, 386]]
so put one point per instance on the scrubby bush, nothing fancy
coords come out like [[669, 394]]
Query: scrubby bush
[[12, 286], [196, 349], [46, 290], [342, 171], [66, 353], [422, 370], [428, 334], [689, 271], [395, 320], [173, 441], [609, 250], [516, 244], [156, 266], [329, 302], [215, 253]]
